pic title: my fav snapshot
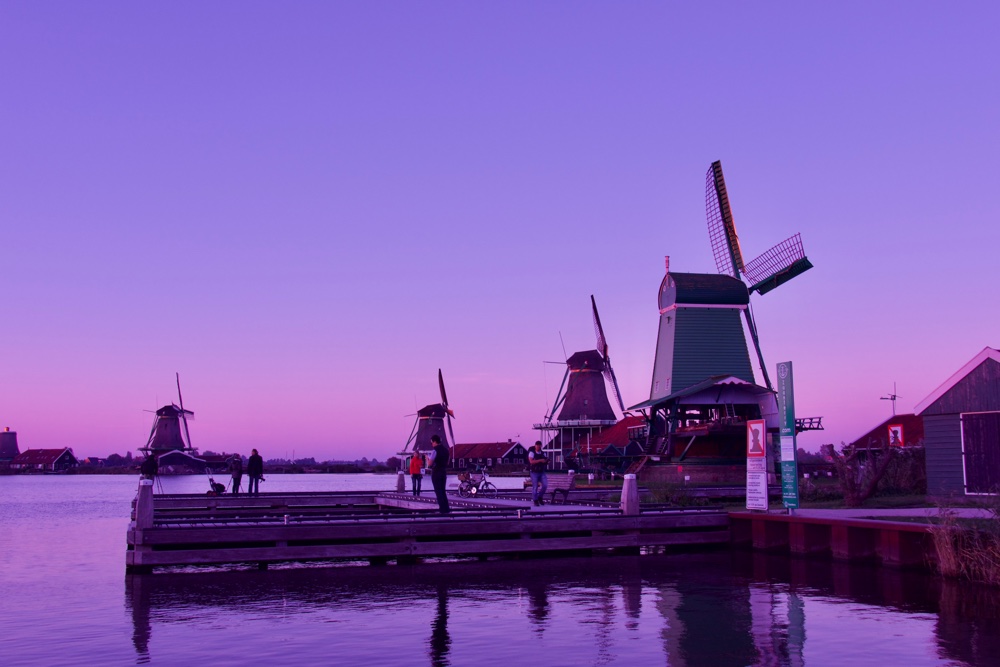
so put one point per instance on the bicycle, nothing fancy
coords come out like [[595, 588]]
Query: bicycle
[[469, 487]]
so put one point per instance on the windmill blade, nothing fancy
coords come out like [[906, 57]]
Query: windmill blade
[[413, 434], [560, 397], [721, 228], [609, 375], [184, 413], [444, 396], [777, 265], [602, 342], [602, 347], [756, 344], [451, 433]]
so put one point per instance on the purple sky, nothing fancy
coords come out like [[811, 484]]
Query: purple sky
[[306, 209]]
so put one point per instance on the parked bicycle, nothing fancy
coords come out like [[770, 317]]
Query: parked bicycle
[[476, 485]]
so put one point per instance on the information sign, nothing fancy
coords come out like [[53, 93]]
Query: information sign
[[786, 410]]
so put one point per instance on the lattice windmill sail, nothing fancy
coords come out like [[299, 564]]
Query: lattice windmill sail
[[771, 269]]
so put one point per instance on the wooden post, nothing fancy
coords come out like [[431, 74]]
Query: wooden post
[[630, 496], [144, 505], [400, 481]]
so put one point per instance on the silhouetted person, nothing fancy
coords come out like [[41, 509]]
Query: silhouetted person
[[538, 464], [236, 470], [149, 467], [416, 472], [255, 471], [439, 473]]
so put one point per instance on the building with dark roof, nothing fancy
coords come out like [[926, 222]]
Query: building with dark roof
[[508, 455], [962, 429]]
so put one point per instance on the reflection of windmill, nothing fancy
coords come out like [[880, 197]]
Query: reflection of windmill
[[585, 408], [771, 269], [431, 421], [170, 428]]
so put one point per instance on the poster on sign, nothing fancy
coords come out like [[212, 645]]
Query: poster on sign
[[896, 435], [756, 464]]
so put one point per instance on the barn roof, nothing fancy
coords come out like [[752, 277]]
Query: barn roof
[[41, 456], [483, 450], [616, 435], [958, 376], [710, 391], [913, 432]]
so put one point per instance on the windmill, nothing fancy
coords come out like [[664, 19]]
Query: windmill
[[703, 382], [170, 428], [771, 269], [582, 399], [431, 421]]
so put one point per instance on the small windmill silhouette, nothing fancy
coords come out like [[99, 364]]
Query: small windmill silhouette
[[431, 421]]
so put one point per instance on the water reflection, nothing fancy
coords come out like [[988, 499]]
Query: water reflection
[[440, 641], [684, 610]]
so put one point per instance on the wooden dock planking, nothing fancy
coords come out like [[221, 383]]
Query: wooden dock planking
[[219, 530]]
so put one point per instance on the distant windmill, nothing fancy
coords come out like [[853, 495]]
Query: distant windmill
[[431, 421], [170, 428], [586, 396], [768, 271]]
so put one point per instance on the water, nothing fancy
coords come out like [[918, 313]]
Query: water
[[65, 600]]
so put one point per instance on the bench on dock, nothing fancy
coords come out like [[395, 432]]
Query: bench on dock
[[561, 484]]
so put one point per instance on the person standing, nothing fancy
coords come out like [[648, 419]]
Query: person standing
[[236, 470], [439, 473], [255, 471], [537, 465], [416, 472]]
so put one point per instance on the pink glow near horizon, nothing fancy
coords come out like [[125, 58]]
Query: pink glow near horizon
[[307, 210]]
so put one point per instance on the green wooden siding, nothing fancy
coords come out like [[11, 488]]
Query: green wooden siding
[[708, 342]]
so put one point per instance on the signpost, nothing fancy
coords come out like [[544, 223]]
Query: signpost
[[786, 410], [756, 464]]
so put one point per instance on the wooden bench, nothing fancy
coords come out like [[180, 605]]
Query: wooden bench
[[561, 484]]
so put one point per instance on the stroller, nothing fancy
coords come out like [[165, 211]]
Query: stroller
[[215, 488]]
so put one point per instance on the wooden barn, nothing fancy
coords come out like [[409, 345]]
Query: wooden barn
[[508, 455], [961, 421], [45, 460]]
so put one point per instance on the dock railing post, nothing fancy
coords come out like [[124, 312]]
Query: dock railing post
[[144, 505], [630, 496], [400, 481]]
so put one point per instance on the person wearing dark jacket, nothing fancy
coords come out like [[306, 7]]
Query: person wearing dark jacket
[[439, 473], [236, 470], [255, 471]]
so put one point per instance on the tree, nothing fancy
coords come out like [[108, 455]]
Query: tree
[[861, 470]]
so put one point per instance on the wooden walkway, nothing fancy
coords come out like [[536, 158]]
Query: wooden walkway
[[186, 530]]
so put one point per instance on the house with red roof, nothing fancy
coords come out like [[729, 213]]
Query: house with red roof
[[508, 455], [45, 460]]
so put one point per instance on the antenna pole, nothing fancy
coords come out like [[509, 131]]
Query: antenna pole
[[892, 398]]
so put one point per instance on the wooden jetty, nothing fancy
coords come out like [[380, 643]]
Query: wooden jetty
[[186, 530]]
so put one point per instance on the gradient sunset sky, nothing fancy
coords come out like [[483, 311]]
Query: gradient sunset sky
[[307, 208]]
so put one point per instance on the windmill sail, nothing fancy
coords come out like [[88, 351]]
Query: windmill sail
[[602, 347], [721, 228]]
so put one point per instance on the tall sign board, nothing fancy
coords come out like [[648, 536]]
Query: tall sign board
[[756, 464], [786, 410]]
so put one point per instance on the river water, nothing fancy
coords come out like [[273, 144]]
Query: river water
[[65, 600]]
